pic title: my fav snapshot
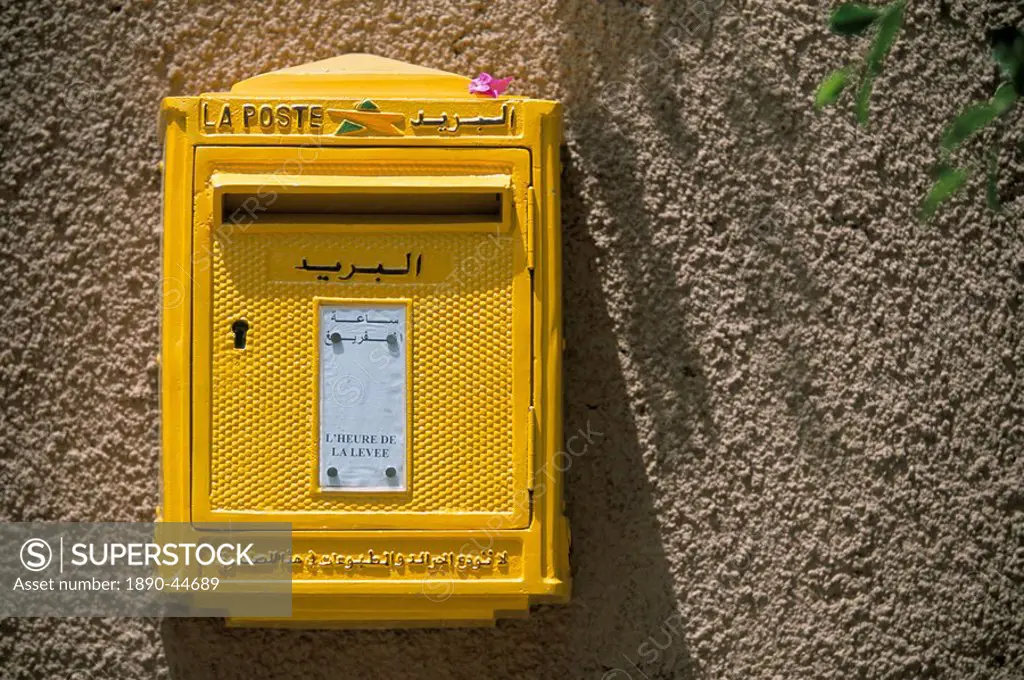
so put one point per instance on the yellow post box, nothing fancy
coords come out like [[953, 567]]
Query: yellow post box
[[362, 337]]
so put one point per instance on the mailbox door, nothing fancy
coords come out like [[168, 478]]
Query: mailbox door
[[297, 252]]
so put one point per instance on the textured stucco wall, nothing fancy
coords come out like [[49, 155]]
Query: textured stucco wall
[[811, 412]]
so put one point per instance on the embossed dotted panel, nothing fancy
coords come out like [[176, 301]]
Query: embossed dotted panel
[[263, 445]]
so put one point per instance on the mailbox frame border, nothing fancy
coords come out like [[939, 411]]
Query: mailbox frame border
[[545, 575]]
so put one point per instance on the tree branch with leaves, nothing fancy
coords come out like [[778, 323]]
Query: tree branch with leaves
[[882, 23]]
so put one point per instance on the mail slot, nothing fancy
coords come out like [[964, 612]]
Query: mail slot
[[362, 337]]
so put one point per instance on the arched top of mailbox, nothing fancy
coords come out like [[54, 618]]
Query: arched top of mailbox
[[357, 75]]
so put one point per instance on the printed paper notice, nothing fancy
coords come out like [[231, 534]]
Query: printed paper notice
[[363, 443]]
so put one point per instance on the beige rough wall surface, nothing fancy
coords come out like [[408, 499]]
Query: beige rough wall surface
[[810, 406]]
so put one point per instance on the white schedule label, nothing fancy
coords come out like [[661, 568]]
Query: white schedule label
[[363, 443]]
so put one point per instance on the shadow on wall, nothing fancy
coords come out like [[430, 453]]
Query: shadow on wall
[[625, 619]]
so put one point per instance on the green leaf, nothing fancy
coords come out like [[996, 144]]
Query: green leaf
[[888, 28], [949, 181], [864, 98], [971, 120], [832, 87], [992, 180], [976, 116], [1004, 98], [853, 18], [1008, 51]]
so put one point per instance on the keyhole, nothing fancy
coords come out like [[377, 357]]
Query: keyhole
[[240, 328]]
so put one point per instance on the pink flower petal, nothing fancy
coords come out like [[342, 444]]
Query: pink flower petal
[[488, 85], [499, 85], [482, 83]]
